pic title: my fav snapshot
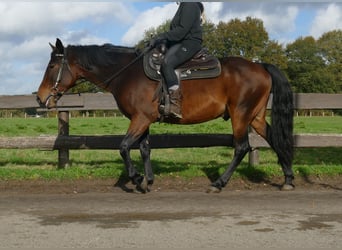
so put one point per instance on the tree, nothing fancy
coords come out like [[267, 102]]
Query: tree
[[274, 54], [311, 66], [330, 47], [152, 32], [247, 38], [84, 86], [308, 67]]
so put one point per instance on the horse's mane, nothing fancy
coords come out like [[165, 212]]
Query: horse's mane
[[98, 55]]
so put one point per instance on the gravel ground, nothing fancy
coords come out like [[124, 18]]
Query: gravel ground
[[175, 214]]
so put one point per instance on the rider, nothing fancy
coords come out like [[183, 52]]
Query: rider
[[184, 40]]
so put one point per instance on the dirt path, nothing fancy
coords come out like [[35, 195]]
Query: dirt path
[[56, 216]]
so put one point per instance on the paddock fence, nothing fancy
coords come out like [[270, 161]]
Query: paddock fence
[[63, 141]]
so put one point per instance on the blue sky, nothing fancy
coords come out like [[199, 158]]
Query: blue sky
[[26, 27]]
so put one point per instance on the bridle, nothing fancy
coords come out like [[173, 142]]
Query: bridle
[[56, 93]]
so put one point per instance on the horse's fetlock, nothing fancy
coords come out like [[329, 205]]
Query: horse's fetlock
[[137, 179]]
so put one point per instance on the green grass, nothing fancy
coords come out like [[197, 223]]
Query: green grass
[[119, 125], [186, 163], [317, 124]]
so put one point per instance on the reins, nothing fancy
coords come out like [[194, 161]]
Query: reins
[[106, 82]]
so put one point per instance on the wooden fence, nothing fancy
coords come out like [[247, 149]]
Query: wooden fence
[[63, 142]]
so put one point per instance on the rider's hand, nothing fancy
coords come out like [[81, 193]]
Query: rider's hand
[[154, 42]]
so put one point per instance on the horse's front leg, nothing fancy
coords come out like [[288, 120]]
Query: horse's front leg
[[125, 148], [145, 151]]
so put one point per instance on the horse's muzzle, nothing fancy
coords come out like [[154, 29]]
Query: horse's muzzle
[[41, 104], [51, 102]]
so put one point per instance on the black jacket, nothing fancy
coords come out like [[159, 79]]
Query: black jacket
[[186, 24]]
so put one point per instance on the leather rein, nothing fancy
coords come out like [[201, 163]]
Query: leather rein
[[56, 93]]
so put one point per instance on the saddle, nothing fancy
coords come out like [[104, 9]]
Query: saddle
[[202, 65]]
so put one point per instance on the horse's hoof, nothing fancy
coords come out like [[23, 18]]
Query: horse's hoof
[[143, 187], [139, 190], [213, 190], [287, 187]]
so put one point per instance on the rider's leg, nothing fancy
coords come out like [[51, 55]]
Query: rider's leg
[[175, 56]]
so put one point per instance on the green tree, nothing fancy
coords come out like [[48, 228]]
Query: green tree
[[307, 68], [246, 38], [330, 46], [274, 53], [311, 66], [84, 86], [152, 32]]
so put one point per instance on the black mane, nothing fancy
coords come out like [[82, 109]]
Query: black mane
[[98, 55]]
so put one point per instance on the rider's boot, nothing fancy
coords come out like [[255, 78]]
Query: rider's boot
[[175, 103]]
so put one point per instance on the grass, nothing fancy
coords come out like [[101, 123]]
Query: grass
[[186, 163], [119, 125]]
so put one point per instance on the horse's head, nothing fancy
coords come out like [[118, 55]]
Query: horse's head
[[58, 77]]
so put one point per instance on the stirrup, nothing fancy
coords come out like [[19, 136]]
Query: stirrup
[[165, 109], [176, 115]]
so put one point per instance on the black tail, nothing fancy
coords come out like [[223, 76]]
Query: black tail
[[282, 116]]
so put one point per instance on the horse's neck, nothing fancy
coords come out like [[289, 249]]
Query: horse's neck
[[105, 77], [104, 74]]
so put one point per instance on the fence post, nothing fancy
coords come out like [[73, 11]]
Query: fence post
[[253, 155], [63, 129]]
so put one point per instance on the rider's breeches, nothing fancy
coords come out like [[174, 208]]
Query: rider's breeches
[[175, 56]]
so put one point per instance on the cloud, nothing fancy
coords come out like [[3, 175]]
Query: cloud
[[278, 19], [20, 19], [27, 27], [327, 19], [148, 19]]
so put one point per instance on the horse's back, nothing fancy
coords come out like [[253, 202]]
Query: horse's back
[[242, 76]]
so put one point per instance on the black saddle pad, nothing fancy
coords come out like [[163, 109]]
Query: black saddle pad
[[202, 65]]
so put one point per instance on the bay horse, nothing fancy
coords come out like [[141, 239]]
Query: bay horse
[[240, 92]]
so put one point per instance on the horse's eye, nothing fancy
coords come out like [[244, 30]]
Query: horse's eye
[[51, 65]]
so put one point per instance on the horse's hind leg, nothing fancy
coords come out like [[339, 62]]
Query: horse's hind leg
[[264, 129], [241, 149]]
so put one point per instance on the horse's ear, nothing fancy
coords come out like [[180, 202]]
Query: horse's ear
[[59, 46], [52, 47]]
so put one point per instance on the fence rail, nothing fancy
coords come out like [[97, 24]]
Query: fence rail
[[159, 141], [104, 101]]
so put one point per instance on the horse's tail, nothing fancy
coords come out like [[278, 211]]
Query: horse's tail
[[281, 116]]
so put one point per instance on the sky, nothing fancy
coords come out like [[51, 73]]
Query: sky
[[27, 27]]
